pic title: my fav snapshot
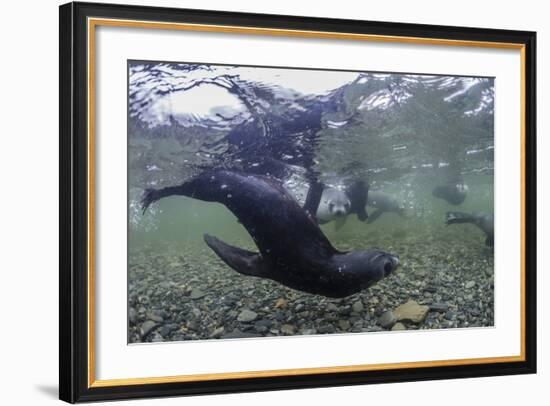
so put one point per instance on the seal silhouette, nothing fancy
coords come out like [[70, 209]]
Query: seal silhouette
[[293, 249], [452, 192], [485, 221], [384, 203]]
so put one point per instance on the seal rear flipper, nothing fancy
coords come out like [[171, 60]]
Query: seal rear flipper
[[152, 195], [149, 196], [243, 261], [457, 217], [374, 216], [490, 241]]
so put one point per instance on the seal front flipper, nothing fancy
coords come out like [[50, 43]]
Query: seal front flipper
[[358, 193], [374, 216], [313, 198], [243, 261]]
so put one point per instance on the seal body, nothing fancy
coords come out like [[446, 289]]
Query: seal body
[[383, 203], [484, 221], [452, 192], [292, 248], [337, 203]]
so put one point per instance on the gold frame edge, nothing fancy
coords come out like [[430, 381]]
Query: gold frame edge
[[91, 25]]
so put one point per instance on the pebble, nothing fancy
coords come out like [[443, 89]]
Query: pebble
[[469, 284], [261, 329], [193, 325], [398, 327], [167, 329], [358, 307], [344, 324], [326, 329], [246, 316], [280, 304], [197, 294], [449, 315], [132, 315], [155, 317], [387, 319], [263, 323], [287, 329], [411, 312], [217, 333], [146, 328], [439, 307], [240, 334], [332, 307]]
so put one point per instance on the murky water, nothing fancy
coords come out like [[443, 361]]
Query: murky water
[[404, 135]]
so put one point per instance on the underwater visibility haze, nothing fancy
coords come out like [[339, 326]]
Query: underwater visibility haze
[[278, 202]]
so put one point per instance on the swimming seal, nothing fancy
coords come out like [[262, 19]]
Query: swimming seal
[[384, 203], [485, 221], [293, 249], [453, 193], [334, 206], [336, 203]]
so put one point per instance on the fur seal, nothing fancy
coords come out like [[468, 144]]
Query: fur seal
[[485, 221], [453, 193], [293, 249], [384, 203], [336, 203]]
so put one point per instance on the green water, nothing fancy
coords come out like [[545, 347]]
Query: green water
[[403, 134], [182, 219]]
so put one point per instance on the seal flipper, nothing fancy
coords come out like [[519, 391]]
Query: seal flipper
[[374, 216], [243, 261], [362, 214], [457, 217], [358, 193], [313, 199]]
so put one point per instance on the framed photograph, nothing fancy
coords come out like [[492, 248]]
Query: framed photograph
[[256, 202]]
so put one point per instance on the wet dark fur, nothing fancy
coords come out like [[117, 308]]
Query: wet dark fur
[[454, 194], [293, 249]]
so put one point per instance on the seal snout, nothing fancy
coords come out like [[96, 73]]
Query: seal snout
[[391, 264]]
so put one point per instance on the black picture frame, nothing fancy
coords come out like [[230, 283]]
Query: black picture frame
[[74, 382]]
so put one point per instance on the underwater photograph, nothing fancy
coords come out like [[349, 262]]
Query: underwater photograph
[[271, 201]]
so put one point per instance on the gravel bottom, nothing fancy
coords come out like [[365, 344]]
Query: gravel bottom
[[184, 292]]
